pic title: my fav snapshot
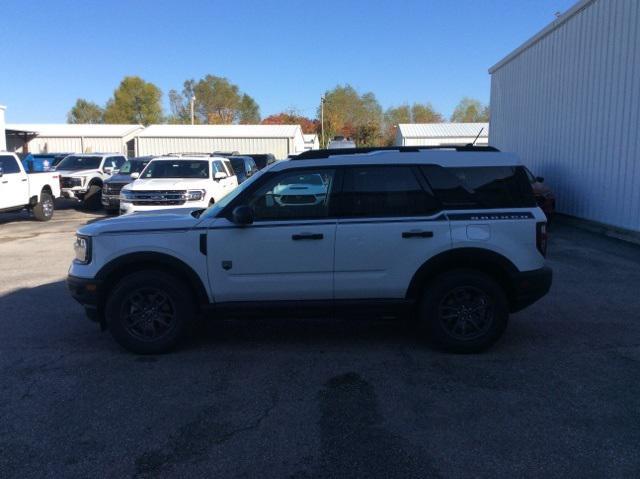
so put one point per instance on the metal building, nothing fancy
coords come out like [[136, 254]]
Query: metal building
[[78, 138], [3, 144], [311, 142], [568, 102], [281, 140], [425, 134]]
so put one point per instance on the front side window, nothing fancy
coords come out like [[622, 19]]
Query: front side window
[[303, 194], [176, 169], [481, 187], [9, 164], [382, 191]]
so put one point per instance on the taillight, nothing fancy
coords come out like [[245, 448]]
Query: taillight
[[541, 238]]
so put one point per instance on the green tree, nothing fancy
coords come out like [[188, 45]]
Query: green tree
[[218, 101], [350, 114], [85, 111], [134, 101], [470, 110], [425, 113], [416, 113]]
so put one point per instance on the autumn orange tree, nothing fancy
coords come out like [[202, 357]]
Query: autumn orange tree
[[292, 118]]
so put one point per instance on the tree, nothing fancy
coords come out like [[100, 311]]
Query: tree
[[292, 117], [470, 110], [416, 113], [425, 113], [350, 114], [85, 111], [134, 101], [218, 101]]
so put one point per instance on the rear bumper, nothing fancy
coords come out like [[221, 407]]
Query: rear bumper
[[87, 292], [529, 287]]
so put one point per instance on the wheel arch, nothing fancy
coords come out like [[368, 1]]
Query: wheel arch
[[119, 267], [95, 181], [489, 262]]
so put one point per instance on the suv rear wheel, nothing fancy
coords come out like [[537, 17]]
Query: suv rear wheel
[[43, 210], [464, 311], [148, 311]]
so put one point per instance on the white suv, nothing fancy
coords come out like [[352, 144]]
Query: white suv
[[178, 182], [450, 235]]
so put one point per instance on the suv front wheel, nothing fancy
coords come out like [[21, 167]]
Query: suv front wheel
[[464, 311], [148, 311]]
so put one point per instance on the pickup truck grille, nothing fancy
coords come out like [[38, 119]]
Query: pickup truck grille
[[112, 188], [158, 198], [66, 182]]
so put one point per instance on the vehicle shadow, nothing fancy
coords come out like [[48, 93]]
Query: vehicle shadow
[[61, 206]]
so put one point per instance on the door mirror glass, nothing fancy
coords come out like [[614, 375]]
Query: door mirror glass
[[219, 175], [108, 170], [243, 215], [135, 175]]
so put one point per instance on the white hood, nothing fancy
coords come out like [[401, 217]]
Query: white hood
[[169, 184], [179, 218], [78, 173]]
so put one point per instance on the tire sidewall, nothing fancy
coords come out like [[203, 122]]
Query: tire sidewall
[[437, 289], [38, 210], [180, 296]]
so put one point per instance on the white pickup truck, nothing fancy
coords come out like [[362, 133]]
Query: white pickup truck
[[19, 189]]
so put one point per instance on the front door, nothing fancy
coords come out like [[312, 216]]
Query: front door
[[389, 226], [288, 252], [14, 184]]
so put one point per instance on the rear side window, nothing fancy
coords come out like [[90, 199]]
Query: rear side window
[[480, 187], [9, 164], [382, 191]]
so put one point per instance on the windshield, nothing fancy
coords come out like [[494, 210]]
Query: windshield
[[176, 169], [213, 211], [238, 165], [74, 162], [133, 166]]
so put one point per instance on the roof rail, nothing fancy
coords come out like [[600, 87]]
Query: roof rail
[[316, 154]]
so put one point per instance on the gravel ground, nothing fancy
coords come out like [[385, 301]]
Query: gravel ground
[[559, 396]]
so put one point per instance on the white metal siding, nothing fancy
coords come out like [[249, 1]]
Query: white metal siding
[[569, 105], [442, 141], [280, 147], [78, 145]]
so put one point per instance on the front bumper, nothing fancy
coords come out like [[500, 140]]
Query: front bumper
[[76, 192], [127, 207], [87, 292], [111, 202], [529, 287]]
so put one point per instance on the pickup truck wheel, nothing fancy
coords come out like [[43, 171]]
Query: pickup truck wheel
[[93, 198], [464, 311], [147, 312], [43, 210]]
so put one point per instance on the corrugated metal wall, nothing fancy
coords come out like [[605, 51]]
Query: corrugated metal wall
[[569, 105], [441, 141], [74, 144], [280, 147]]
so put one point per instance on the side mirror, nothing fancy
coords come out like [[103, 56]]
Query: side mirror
[[108, 170], [539, 179], [242, 215], [219, 175], [1, 172], [135, 175]]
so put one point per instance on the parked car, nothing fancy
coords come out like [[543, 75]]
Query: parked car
[[82, 176], [244, 167], [340, 142], [544, 196], [43, 161], [452, 236], [126, 174], [262, 160], [19, 189], [168, 182]]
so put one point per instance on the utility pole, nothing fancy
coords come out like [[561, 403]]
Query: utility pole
[[193, 104], [322, 100]]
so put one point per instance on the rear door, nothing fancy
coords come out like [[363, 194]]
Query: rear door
[[389, 225], [14, 183]]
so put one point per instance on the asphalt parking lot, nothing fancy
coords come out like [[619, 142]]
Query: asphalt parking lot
[[559, 396]]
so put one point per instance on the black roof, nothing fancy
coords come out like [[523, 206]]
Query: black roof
[[315, 154]]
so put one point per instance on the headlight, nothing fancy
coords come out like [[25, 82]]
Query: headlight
[[195, 195], [126, 195], [82, 248]]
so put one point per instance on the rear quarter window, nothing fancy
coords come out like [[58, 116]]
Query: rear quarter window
[[480, 187]]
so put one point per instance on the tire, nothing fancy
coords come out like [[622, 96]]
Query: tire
[[464, 311], [170, 310], [92, 200], [43, 210]]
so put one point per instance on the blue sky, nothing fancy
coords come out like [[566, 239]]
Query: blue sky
[[283, 53]]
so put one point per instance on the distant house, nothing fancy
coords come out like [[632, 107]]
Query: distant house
[[429, 134], [311, 142], [280, 140], [78, 138]]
